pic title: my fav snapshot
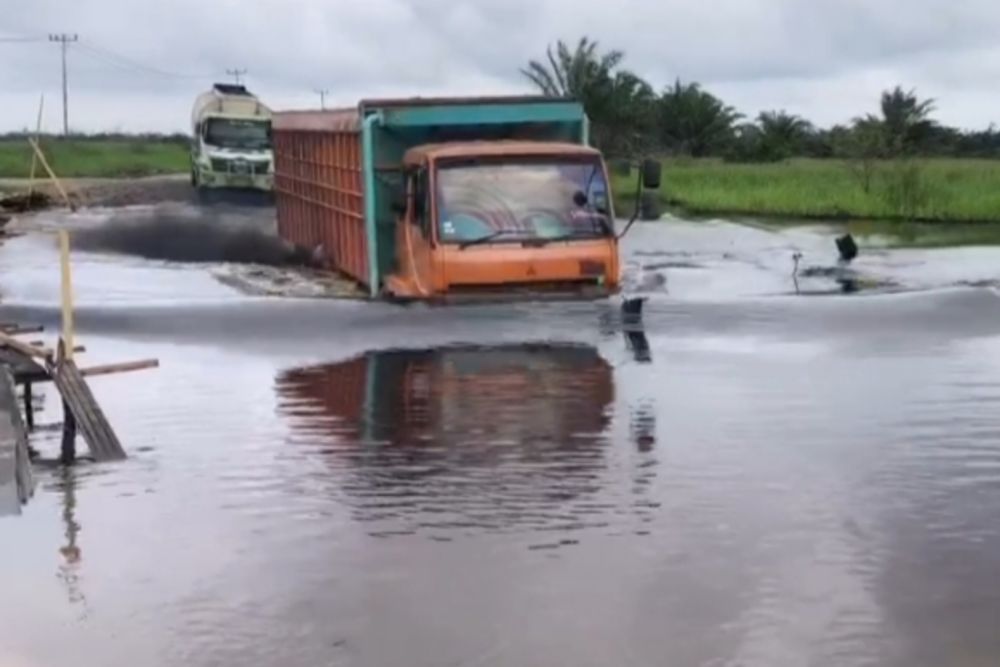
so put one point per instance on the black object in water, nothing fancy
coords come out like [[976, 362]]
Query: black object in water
[[639, 345], [632, 309], [847, 248]]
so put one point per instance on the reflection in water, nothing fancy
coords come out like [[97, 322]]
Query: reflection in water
[[639, 346], [69, 568], [643, 426], [463, 437]]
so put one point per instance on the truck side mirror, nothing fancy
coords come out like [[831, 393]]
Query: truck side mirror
[[652, 172]]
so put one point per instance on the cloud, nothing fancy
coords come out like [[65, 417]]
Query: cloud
[[825, 59]]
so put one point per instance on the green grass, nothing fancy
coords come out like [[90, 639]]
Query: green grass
[[90, 158], [935, 190]]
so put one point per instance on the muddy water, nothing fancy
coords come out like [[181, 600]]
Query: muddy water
[[759, 479]]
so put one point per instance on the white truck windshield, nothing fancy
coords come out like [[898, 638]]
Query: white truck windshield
[[523, 200], [238, 134]]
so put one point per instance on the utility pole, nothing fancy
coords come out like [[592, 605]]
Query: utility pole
[[322, 92], [237, 74], [64, 40]]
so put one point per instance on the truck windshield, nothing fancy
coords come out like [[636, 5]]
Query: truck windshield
[[512, 201], [235, 133]]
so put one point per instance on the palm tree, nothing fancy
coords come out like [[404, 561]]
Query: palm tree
[[571, 73], [693, 121], [782, 134], [906, 120], [622, 112], [618, 102]]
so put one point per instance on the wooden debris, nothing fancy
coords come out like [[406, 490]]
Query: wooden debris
[[83, 412]]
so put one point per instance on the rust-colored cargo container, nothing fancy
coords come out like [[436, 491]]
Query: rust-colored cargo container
[[436, 198], [318, 178]]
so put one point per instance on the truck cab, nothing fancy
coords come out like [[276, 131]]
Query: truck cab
[[231, 141], [495, 217]]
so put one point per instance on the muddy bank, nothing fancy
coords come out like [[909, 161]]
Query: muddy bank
[[109, 191]]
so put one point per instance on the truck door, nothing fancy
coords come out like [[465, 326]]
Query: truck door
[[419, 233]]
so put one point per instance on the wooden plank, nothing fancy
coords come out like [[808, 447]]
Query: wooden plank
[[102, 440], [25, 349], [26, 370], [90, 419], [124, 367], [17, 329]]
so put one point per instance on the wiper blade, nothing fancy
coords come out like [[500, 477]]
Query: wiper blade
[[565, 237], [484, 239]]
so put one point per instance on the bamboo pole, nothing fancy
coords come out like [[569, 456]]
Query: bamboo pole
[[67, 293], [34, 157], [52, 174]]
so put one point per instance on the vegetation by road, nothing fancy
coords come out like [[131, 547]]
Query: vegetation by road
[[108, 156], [897, 163], [931, 190]]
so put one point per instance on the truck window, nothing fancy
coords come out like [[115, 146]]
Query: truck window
[[421, 202], [544, 198], [238, 134]]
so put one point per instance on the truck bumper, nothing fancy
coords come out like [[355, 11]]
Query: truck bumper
[[217, 180], [400, 289]]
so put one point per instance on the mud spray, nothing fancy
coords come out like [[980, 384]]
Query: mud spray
[[186, 234]]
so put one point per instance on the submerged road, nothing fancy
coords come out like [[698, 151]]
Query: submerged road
[[766, 478]]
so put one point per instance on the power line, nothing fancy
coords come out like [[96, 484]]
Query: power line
[[21, 40], [128, 63]]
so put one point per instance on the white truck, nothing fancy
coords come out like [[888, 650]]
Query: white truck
[[231, 141]]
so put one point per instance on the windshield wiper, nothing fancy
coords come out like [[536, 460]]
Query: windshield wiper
[[565, 237], [484, 239]]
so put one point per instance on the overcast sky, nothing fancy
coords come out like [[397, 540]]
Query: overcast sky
[[139, 63]]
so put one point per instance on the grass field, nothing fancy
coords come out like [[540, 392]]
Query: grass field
[[933, 190], [92, 158]]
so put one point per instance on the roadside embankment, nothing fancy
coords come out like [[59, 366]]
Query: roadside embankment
[[922, 190]]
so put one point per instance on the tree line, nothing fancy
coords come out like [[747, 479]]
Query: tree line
[[629, 116]]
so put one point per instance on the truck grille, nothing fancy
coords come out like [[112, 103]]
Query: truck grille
[[256, 167]]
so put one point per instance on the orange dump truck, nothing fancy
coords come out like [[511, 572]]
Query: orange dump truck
[[449, 198]]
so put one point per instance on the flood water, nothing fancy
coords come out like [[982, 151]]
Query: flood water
[[760, 478]]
